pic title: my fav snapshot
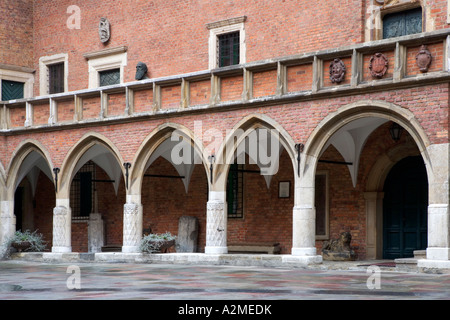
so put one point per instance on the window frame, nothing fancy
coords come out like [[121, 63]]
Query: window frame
[[44, 73], [376, 14], [18, 74], [105, 60], [400, 12], [223, 27]]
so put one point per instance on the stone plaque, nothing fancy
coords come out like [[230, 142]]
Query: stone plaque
[[423, 59], [378, 65], [104, 30], [187, 234], [337, 71]]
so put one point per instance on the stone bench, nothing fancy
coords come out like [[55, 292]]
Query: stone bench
[[266, 247], [112, 248]]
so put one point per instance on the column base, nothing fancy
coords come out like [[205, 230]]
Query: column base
[[216, 250], [61, 249], [302, 260], [131, 249], [304, 251], [438, 254]]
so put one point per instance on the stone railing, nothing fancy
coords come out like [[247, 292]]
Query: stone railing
[[371, 66]]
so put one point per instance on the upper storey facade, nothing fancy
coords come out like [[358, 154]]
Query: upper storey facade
[[177, 37]]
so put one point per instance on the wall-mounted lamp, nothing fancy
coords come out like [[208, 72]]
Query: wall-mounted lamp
[[127, 166], [211, 159], [396, 131], [56, 171], [299, 147]]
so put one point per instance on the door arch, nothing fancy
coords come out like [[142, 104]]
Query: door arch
[[405, 209]]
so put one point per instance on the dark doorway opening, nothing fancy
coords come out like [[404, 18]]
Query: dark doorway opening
[[405, 209]]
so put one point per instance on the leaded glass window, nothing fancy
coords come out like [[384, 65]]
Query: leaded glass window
[[229, 49], [109, 77], [402, 23]]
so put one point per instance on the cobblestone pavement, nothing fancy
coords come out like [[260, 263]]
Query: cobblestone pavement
[[20, 280]]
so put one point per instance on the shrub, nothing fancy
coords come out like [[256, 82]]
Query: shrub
[[153, 242], [35, 239]]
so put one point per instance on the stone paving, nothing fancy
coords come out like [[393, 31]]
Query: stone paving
[[23, 280]]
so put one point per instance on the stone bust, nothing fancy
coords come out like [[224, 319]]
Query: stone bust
[[141, 71]]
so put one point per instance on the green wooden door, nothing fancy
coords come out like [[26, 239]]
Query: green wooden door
[[405, 209]]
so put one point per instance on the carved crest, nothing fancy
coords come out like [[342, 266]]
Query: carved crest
[[337, 71], [104, 30], [423, 59], [378, 65]]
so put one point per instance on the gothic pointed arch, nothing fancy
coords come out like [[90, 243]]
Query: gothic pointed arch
[[98, 148], [161, 142], [27, 160], [358, 111], [235, 143]]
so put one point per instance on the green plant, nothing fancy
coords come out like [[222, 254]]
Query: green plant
[[153, 242], [35, 239]]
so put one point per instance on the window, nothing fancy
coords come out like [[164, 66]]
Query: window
[[56, 78], [235, 191], [228, 47], [106, 67], [12, 90], [321, 204], [109, 77], [402, 23], [82, 191], [227, 42], [53, 74]]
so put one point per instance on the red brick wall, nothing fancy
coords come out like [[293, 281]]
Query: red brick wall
[[183, 37], [267, 218], [16, 32], [44, 201], [165, 200]]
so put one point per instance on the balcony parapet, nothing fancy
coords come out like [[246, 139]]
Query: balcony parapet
[[279, 80]]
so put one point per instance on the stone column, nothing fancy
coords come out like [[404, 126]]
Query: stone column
[[304, 221], [132, 227], [96, 233], [62, 227], [7, 223], [438, 209], [216, 223]]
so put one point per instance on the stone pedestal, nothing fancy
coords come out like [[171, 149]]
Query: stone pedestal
[[187, 234], [216, 228], [338, 256], [7, 224], [96, 233], [62, 224], [132, 227]]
